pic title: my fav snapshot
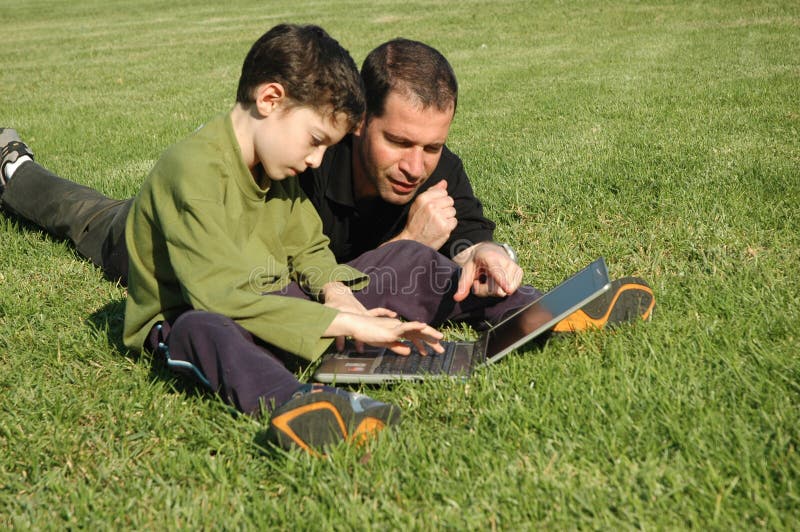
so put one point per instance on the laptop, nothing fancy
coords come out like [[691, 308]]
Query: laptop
[[376, 364]]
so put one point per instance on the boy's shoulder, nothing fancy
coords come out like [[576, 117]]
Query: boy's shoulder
[[203, 143], [203, 151]]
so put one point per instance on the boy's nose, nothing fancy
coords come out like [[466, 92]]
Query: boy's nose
[[315, 158]]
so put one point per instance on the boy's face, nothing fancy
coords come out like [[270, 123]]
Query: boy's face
[[293, 138], [397, 152]]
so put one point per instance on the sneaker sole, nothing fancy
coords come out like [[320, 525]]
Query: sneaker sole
[[628, 298], [317, 420]]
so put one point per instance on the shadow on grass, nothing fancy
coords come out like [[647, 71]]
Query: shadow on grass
[[109, 321]]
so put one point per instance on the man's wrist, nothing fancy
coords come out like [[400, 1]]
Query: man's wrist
[[509, 251]]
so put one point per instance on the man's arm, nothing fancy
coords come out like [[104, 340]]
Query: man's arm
[[449, 217], [445, 214]]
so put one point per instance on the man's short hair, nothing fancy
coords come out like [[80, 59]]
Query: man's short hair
[[313, 68], [412, 68]]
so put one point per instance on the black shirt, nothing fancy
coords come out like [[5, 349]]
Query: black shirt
[[355, 227]]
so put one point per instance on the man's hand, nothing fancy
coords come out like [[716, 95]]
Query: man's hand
[[487, 269], [431, 218], [385, 332]]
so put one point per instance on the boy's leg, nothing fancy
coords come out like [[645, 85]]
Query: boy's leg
[[92, 221], [222, 355]]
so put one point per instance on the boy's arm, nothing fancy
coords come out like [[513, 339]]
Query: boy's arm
[[386, 332], [216, 276], [314, 265], [299, 326]]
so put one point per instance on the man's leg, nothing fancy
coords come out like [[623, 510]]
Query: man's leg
[[418, 283], [93, 222]]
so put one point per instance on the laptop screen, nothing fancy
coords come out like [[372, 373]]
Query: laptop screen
[[545, 312]]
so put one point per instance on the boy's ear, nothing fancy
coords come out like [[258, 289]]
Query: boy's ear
[[360, 127], [268, 97]]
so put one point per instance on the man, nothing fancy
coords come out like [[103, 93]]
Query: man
[[393, 179]]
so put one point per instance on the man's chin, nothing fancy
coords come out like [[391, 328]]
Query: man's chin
[[396, 198], [398, 194]]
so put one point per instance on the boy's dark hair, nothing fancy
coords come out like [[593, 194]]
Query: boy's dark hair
[[313, 68], [413, 68]]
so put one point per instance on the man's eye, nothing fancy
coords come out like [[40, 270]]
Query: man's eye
[[400, 143]]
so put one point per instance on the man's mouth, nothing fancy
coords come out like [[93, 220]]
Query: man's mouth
[[401, 187]]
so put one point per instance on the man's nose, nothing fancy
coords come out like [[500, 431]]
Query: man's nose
[[412, 164]]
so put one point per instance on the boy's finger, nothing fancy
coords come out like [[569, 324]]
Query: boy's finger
[[380, 312], [436, 346], [400, 348]]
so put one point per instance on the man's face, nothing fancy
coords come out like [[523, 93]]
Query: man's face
[[395, 153]]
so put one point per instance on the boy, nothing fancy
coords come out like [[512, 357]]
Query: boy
[[221, 221]]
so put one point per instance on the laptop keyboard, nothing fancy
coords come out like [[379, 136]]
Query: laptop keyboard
[[416, 363]]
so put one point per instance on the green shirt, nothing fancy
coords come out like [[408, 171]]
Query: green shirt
[[203, 235]]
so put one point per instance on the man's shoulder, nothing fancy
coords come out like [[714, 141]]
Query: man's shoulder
[[450, 166], [449, 157]]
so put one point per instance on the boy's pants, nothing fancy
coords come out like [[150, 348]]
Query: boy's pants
[[222, 355], [407, 277]]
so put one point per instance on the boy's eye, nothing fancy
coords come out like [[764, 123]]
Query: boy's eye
[[316, 141]]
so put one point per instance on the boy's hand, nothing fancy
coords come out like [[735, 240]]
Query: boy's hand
[[339, 296], [386, 332]]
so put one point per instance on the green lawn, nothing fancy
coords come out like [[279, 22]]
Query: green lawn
[[661, 135]]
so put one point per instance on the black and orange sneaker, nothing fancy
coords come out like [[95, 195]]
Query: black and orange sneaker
[[317, 416], [11, 149], [628, 300]]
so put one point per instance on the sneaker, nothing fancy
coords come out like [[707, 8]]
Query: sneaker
[[11, 149], [317, 416], [628, 299]]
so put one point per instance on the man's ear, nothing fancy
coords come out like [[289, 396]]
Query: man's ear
[[268, 97]]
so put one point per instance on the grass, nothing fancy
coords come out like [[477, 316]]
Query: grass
[[662, 135]]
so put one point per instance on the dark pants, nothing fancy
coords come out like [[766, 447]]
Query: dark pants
[[94, 223], [413, 280], [247, 373]]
